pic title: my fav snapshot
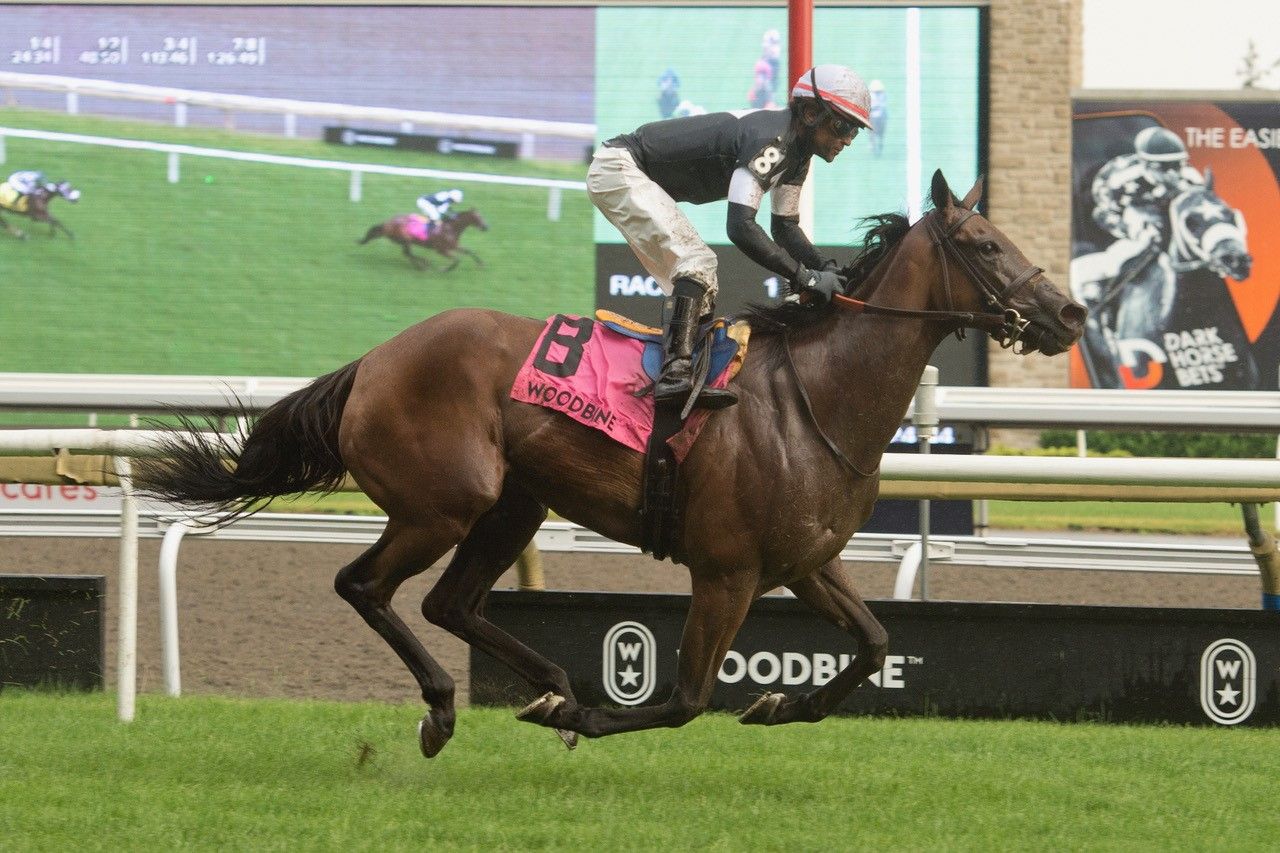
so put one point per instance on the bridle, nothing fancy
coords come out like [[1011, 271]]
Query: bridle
[[1006, 325]]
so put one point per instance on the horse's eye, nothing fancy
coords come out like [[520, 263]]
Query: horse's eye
[[988, 248]]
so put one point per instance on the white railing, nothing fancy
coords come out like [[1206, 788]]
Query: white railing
[[1235, 411], [76, 87], [357, 171]]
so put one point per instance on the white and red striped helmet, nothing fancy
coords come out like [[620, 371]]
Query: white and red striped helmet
[[841, 89]]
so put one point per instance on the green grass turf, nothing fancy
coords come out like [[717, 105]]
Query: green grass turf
[[253, 269], [208, 773]]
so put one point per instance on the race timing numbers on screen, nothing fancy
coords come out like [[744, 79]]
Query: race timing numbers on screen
[[120, 49]]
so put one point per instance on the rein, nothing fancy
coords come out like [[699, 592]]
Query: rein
[[1007, 327]]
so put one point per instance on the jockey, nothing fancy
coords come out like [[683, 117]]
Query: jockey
[[1132, 192], [636, 179], [28, 181], [436, 205]]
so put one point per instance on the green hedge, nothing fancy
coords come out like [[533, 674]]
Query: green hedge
[[1183, 444]]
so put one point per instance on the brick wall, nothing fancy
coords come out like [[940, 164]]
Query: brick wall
[[1035, 63]]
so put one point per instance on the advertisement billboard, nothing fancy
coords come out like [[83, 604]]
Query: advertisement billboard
[[1175, 205]]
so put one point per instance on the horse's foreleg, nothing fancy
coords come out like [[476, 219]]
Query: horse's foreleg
[[451, 256], [472, 255], [55, 224], [716, 610], [372, 234], [830, 594], [368, 585]]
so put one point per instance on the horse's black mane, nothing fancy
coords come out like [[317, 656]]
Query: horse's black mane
[[882, 233]]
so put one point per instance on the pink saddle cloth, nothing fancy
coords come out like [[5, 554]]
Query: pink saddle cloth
[[591, 373], [419, 227]]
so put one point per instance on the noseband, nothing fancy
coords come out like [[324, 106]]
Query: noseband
[[1006, 325]]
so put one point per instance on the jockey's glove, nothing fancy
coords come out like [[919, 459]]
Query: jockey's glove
[[820, 285]]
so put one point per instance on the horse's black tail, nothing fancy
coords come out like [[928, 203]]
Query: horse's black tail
[[372, 234], [292, 447]]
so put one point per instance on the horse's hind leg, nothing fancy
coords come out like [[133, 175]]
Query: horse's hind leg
[[13, 229], [418, 263], [368, 585], [830, 594], [716, 610], [456, 602]]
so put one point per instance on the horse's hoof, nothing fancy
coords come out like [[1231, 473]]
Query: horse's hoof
[[540, 709], [431, 737], [762, 710], [570, 738]]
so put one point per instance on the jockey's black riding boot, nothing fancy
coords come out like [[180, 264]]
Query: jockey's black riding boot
[[676, 382]]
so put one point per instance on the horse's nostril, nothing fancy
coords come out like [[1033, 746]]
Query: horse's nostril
[[1073, 314]]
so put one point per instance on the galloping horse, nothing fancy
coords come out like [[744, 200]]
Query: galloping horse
[[35, 205], [414, 229], [1204, 233], [770, 492]]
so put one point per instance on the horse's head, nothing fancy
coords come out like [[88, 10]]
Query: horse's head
[[64, 189], [1034, 313], [1208, 232], [472, 217]]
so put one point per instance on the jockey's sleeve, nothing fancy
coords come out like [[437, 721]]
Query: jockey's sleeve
[[787, 234], [748, 236]]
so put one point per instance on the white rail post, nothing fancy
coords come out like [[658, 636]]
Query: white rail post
[[174, 172], [73, 103], [553, 204], [127, 650], [925, 418], [356, 191], [169, 650], [179, 113], [526, 146], [290, 125]]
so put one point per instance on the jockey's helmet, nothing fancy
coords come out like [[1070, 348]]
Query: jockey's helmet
[[1160, 147], [839, 90], [454, 196]]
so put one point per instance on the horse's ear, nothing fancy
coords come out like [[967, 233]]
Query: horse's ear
[[940, 192], [974, 195], [1208, 179]]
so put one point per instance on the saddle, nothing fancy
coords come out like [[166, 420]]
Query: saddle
[[659, 512], [601, 373]]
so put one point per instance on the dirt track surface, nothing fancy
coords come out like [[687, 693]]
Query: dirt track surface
[[262, 620]]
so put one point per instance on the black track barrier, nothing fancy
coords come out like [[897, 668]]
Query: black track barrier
[[946, 659], [52, 632]]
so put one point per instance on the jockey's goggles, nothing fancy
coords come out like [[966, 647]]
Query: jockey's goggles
[[840, 126]]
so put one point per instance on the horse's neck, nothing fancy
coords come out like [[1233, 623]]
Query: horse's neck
[[862, 374]]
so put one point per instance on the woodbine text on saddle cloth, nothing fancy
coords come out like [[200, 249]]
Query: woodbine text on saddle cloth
[[592, 370]]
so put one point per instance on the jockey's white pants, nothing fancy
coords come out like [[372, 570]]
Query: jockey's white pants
[[661, 236]]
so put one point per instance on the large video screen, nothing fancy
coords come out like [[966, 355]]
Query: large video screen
[[241, 181]]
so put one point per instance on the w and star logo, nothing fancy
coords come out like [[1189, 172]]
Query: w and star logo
[[630, 663], [1228, 681]]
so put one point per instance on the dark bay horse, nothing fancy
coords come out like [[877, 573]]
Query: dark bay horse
[[35, 205], [770, 493], [410, 229]]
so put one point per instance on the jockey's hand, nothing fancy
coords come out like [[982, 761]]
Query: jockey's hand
[[830, 265], [820, 286]]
